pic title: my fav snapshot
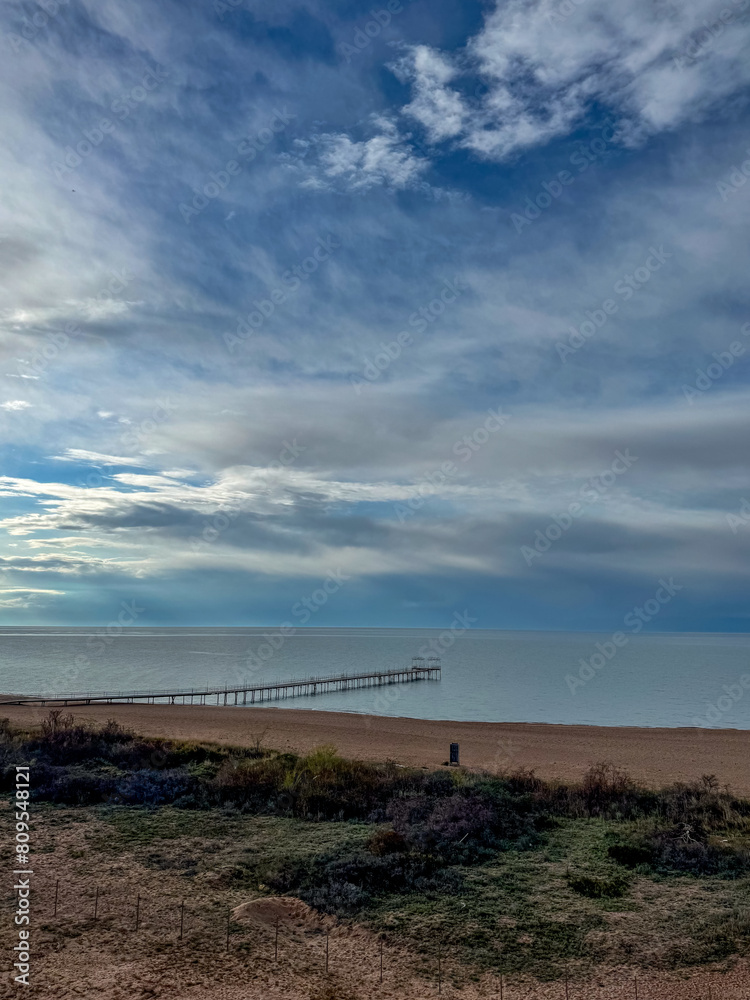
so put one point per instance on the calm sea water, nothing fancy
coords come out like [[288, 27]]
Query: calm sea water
[[654, 680]]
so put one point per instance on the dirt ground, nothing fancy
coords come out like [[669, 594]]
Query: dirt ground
[[76, 955], [653, 756]]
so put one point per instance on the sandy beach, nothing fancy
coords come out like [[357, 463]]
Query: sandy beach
[[653, 756]]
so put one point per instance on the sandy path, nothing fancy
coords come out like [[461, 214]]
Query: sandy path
[[654, 756]]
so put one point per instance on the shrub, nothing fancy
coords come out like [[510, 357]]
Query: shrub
[[154, 788], [384, 842], [685, 849], [630, 855], [599, 888], [74, 786], [464, 826]]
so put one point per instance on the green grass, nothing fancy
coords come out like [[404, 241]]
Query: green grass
[[245, 849], [521, 912]]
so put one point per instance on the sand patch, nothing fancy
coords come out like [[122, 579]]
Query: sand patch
[[265, 911]]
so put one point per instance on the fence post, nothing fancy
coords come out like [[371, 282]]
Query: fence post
[[276, 945], [182, 918], [57, 892]]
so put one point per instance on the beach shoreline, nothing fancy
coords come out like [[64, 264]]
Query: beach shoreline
[[653, 756]]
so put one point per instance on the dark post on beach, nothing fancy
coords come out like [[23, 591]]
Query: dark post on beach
[[454, 753]]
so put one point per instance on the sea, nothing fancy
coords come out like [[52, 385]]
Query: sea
[[655, 679]]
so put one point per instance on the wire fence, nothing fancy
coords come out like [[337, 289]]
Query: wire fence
[[212, 926]]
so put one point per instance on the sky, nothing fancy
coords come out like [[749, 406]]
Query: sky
[[403, 311]]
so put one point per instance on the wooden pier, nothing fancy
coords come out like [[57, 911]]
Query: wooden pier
[[421, 669]]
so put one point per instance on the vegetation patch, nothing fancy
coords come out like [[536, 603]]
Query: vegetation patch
[[506, 873]]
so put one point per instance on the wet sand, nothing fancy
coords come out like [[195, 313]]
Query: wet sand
[[653, 756]]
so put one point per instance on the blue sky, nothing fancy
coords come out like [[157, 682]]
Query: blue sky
[[448, 300]]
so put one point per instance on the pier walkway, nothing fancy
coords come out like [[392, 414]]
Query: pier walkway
[[421, 669]]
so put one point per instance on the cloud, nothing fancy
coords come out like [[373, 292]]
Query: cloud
[[397, 515], [26, 597], [537, 68], [113, 302], [14, 405], [332, 160], [71, 565], [95, 458]]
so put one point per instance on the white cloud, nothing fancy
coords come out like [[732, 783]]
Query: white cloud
[[94, 458], [26, 597], [385, 159], [439, 108], [15, 404], [541, 65]]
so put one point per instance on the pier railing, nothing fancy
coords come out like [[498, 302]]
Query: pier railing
[[420, 669]]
